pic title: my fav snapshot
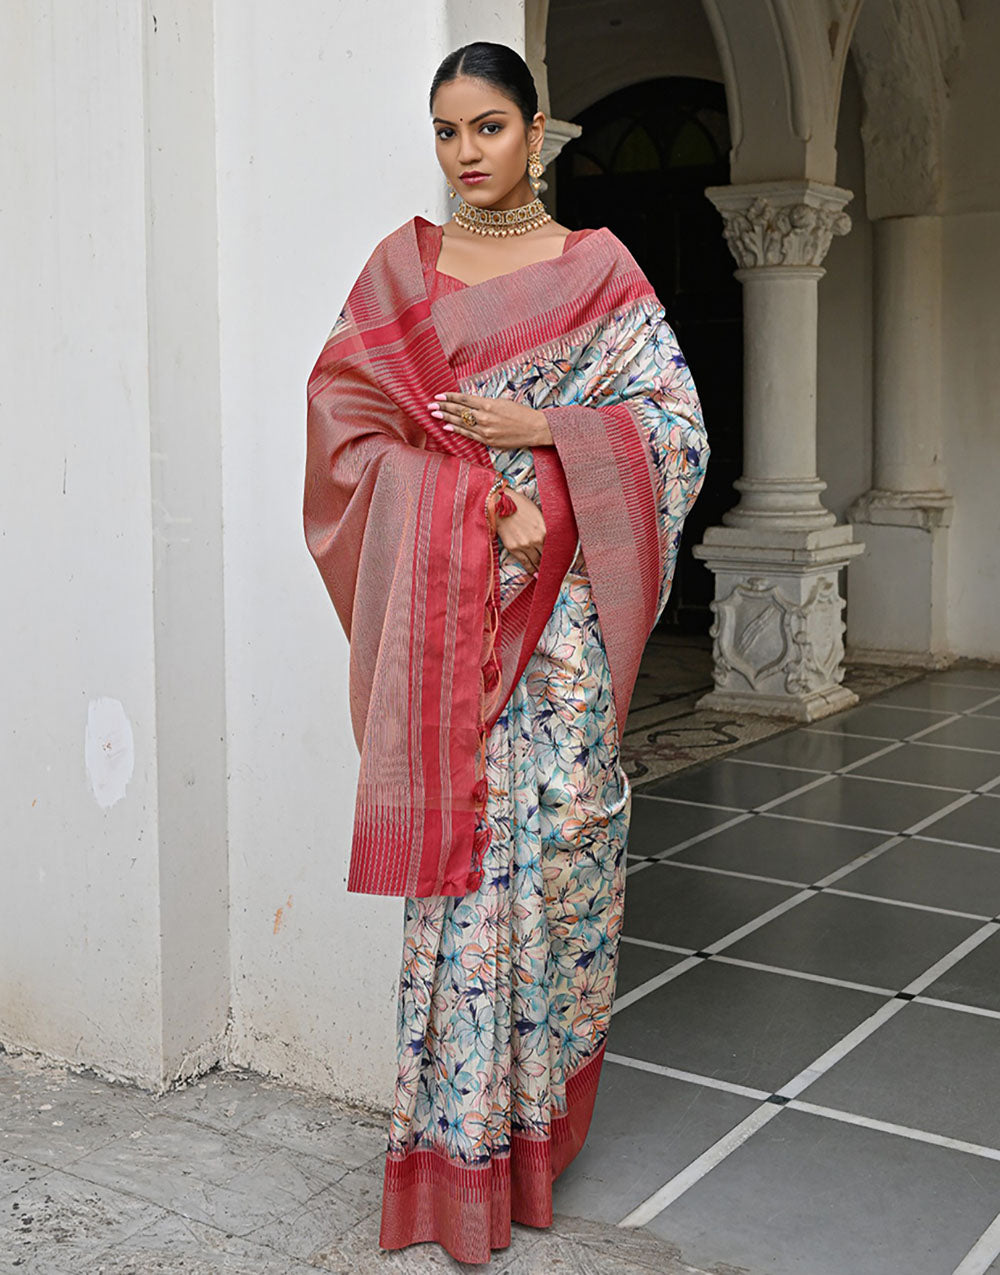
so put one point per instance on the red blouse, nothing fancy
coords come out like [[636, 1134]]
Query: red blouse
[[429, 240]]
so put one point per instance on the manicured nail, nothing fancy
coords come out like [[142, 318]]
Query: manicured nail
[[449, 428], [535, 574], [439, 414], [440, 396]]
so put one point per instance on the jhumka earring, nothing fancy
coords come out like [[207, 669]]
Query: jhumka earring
[[535, 169], [452, 192]]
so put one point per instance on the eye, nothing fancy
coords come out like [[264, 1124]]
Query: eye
[[493, 124], [441, 133]]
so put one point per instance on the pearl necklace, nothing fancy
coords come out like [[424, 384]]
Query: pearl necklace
[[502, 221]]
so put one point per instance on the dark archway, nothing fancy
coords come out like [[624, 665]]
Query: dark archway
[[640, 167]]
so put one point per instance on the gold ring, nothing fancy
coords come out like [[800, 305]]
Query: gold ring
[[468, 417]]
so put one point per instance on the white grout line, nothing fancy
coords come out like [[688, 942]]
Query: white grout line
[[921, 743], [906, 903], [968, 944], [980, 1010], [828, 979], [658, 947], [690, 1077], [964, 800], [900, 1130], [965, 845], [682, 801], [654, 983], [731, 872], [696, 1170], [703, 836], [841, 1049], [983, 1253], [825, 823]]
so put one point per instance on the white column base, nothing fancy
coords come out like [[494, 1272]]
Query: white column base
[[899, 606], [778, 629]]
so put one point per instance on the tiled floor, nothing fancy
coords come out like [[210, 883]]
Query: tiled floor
[[804, 1060]]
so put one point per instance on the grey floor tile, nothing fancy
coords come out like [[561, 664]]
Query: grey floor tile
[[727, 783], [853, 939], [878, 723], [680, 905], [223, 1099], [811, 750], [636, 965], [311, 1125], [945, 696], [939, 875], [656, 824], [748, 1026], [945, 767], [977, 823], [866, 803], [785, 848], [988, 677], [327, 1217], [62, 1223], [974, 980], [56, 1117], [810, 1196], [220, 1179], [645, 1129], [15, 1174], [967, 732], [179, 1246], [924, 1069]]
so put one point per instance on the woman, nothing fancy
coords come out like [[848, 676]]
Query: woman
[[503, 443]]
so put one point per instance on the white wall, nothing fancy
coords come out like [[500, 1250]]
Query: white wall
[[324, 146], [79, 913], [972, 335], [195, 188]]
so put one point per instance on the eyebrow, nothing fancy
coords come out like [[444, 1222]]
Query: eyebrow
[[496, 111]]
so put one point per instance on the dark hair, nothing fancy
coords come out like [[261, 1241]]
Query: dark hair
[[495, 64]]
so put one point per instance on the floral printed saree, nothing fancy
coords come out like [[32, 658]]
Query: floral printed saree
[[514, 870]]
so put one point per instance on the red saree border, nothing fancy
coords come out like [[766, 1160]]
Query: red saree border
[[429, 1198]]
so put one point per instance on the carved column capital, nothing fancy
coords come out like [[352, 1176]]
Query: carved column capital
[[781, 223]]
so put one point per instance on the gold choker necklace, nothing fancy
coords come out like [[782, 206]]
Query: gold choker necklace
[[502, 221]]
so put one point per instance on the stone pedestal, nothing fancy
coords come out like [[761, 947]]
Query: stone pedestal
[[778, 627]]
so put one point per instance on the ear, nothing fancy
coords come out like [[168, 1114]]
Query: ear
[[536, 131]]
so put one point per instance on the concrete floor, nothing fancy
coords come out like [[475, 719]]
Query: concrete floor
[[233, 1174], [802, 1069]]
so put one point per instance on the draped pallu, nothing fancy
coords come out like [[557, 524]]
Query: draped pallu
[[487, 705]]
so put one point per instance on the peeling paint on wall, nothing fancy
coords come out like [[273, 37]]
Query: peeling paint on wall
[[279, 915], [108, 750]]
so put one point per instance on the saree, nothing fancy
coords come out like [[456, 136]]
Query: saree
[[487, 704]]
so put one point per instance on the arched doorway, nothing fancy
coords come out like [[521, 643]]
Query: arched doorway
[[641, 165]]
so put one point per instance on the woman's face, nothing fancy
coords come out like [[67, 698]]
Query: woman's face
[[479, 129]]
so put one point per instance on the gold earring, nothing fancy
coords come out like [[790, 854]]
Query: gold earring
[[535, 168], [452, 192]]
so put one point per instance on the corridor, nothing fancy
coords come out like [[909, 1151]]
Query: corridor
[[802, 1067]]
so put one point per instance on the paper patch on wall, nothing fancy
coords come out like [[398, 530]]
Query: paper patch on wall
[[108, 750]]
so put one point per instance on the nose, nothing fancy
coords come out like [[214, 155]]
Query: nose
[[468, 151]]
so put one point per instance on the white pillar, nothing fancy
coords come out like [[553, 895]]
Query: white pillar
[[778, 630], [898, 602]]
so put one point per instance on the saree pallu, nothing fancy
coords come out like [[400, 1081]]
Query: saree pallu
[[508, 975]]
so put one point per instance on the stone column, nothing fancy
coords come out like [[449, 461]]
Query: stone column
[[778, 629], [898, 589]]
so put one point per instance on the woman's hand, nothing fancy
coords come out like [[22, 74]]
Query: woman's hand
[[523, 532], [499, 422]]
